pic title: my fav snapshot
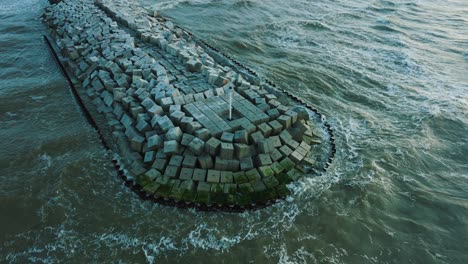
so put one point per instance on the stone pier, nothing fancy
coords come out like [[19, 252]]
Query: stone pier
[[166, 99]]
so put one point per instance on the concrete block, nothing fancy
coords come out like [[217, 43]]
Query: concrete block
[[213, 176], [253, 175], [205, 161], [176, 160], [266, 171], [275, 155], [265, 146], [203, 134], [226, 177], [149, 157], [172, 172], [256, 137], [156, 110], [276, 127], [185, 121], [270, 181], [199, 175], [166, 102], [212, 146], [242, 150], [176, 117], [293, 115], [154, 142], [186, 139], [197, 146], [193, 126], [227, 137], [190, 161], [186, 174], [164, 123], [293, 144], [287, 163], [174, 133], [265, 129], [246, 164], [241, 136], [227, 150], [239, 177], [276, 141], [263, 160], [143, 126], [221, 164], [296, 157], [171, 147], [285, 121], [159, 164], [136, 143]]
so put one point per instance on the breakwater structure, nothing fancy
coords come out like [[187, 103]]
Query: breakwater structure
[[188, 125]]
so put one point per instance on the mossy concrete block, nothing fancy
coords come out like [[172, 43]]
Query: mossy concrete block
[[270, 182], [239, 177], [151, 188], [259, 186], [226, 177], [277, 168], [163, 180], [187, 185], [287, 163], [266, 171], [230, 188], [243, 199], [294, 174], [252, 174]]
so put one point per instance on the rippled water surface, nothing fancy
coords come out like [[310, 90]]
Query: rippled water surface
[[391, 76]]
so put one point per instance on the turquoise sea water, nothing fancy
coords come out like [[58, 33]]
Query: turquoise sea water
[[391, 77]]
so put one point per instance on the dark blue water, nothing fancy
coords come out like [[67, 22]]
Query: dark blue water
[[391, 76]]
